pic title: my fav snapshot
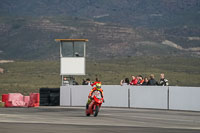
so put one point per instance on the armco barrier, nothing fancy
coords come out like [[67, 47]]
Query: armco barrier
[[149, 97], [184, 98]]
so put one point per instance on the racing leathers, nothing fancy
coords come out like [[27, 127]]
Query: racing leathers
[[91, 93]]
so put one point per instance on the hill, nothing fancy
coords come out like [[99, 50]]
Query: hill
[[115, 28]]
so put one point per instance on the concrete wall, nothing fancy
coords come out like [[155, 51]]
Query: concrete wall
[[149, 97], [184, 98], [80, 95], [158, 97], [115, 96], [65, 96]]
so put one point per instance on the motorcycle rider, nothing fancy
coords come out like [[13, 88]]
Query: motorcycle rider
[[97, 88], [97, 81]]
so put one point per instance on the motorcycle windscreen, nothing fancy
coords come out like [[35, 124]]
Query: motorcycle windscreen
[[97, 94]]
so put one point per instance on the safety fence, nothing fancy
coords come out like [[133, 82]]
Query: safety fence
[[155, 97]]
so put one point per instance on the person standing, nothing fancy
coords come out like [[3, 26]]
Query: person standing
[[152, 81], [134, 80], [145, 81], [163, 80], [124, 82]]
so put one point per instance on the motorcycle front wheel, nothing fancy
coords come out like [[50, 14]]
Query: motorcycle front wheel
[[96, 111]]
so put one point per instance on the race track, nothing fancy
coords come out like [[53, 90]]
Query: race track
[[73, 119]]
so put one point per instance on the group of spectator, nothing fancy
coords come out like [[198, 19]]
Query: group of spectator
[[139, 80], [88, 82], [136, 80]]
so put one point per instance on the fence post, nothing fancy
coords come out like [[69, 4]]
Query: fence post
[[168, 98], [70, 90], [129, 98]]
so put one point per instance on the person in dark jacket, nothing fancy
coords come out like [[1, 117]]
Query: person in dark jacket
[[145, 81], [152, 81]]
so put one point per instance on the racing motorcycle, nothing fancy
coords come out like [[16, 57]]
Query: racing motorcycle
[[95, 105]]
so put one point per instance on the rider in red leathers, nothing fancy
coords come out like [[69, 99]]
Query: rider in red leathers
[[97, 88]]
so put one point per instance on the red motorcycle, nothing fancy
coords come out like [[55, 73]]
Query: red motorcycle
[[95, 104]]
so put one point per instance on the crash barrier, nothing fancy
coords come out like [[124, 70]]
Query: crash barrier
[[155, 97], [184, 98], [4, 97], [18, 100], [149, 97], [49, 96]]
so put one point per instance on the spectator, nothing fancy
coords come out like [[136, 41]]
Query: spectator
[[163, 80], [152, 81], [140, 80], [74, 81], [88, 81], [145, 81], [84, 82], [124, 82], [134, 81], [65, 81]]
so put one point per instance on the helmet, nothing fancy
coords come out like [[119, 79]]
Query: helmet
[[98, 86]]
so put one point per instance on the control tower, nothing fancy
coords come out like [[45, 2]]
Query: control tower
[[72, 59]]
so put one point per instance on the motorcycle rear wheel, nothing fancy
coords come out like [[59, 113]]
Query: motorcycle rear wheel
[[96, 111]]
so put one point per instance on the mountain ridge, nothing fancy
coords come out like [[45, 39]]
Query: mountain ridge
[[117, 28]]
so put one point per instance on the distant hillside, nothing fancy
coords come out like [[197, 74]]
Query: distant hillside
[[133, 12], [115, 28]]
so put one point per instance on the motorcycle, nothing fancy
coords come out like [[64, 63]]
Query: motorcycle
[[94, 106]]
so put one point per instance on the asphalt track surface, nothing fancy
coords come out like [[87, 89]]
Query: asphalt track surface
[[73, 120]]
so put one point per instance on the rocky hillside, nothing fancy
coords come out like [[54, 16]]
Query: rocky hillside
[[115, 28]]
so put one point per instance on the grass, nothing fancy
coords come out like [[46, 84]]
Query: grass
[[28, 76]]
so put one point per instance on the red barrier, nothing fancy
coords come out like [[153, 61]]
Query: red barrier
[[4, 97], [8, 104], [26, 100], [18, 100], [34, 100], [15, 96]]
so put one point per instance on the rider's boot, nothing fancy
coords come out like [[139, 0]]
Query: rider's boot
[[87, 105]]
